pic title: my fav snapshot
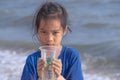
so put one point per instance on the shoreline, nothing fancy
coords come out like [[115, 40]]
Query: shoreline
[[15, 45]]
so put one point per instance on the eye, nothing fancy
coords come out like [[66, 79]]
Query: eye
[[56, 32], [43, 32]]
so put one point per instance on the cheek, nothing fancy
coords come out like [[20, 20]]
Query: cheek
[[41, 38], [59, 38]]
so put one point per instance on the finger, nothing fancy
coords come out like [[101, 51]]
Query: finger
[[57, 72], [41, 62], [40, 68], [57, 63], [57, 68], [41, 65], [56, 60]]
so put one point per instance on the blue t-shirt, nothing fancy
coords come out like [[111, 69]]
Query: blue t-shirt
[[71, 65]]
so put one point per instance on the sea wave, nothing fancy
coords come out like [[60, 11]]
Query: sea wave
[[8, 58]]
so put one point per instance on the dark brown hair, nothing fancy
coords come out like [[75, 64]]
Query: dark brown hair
[[51, 10]]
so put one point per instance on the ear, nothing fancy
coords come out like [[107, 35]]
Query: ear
[[65, 31]]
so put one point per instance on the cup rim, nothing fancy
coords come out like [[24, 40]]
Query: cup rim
[[43, 47]]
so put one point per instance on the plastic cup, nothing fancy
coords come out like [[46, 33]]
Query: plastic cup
[[48, 53]]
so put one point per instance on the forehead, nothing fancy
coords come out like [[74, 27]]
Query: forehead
[[50, 24]]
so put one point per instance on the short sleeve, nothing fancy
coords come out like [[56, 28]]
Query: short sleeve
[[74, 71], [29, 71]]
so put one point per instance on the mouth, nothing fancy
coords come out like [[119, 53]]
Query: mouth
[[49, 44]]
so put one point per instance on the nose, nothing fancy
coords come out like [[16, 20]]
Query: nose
[[49, 38]]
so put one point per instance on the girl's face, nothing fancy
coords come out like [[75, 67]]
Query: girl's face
[[51, 32]]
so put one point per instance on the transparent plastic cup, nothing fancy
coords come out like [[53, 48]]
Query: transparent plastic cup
[[48, 53]]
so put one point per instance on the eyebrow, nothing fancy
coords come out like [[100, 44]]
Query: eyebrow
[[52, 30], [41, 29]]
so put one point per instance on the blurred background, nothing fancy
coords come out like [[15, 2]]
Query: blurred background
[[95, 28]]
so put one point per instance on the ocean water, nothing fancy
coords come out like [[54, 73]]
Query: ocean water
[[12, 62], [95, 28]]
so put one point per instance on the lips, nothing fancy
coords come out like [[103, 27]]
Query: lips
[[50, 44]]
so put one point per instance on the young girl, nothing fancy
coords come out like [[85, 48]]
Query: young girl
[[51, 24]]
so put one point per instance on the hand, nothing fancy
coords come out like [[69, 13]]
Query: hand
[[40, 67], [57, 66]]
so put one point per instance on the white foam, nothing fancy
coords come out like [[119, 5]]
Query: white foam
[[91, 76], [12, 62], [95, 77]]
